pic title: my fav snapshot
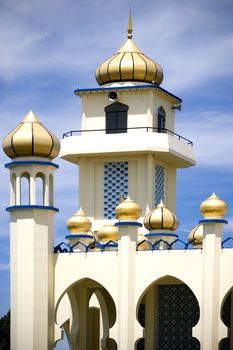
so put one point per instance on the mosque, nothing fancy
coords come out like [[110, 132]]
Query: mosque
[[122, 278]]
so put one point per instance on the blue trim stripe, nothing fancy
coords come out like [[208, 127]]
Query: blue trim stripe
[[78, 236], [30, 162], [42, 207], [221, 221], [161, 234], [128, 223], [80, 91]]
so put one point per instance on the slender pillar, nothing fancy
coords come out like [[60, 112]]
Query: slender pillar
[[211, 303], [128, 232]]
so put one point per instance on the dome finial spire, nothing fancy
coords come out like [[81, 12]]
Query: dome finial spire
[[130, 27]]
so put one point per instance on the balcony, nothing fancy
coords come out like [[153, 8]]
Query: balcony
[[166, 144]]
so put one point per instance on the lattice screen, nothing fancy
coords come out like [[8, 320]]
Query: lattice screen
[[178, 312], [159, 183], [115, 182], [226, 317]]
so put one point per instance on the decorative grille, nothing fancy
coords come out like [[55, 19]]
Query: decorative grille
[[115, 182], [159, 183], [178, 313]]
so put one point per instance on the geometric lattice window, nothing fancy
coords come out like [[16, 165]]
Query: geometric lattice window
[[226, 318], [159, 183], [115, 182], [178, 313]]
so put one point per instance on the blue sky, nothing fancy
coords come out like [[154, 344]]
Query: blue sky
[[49, 47]]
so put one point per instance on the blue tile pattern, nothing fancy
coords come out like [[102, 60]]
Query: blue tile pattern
[[159, 183], [115, 182]]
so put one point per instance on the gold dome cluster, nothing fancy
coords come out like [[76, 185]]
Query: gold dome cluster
[[213, 207], [31, 138], [129, 64], [79, 223], [128, 210], [161, 218]]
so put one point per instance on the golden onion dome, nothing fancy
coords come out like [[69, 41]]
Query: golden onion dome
[[78, 222], [213, 207], [196, 235], [128, 210], [108, 232], [31, 138], [129, 64], [161, 218]]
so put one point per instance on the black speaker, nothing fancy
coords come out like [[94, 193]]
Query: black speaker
[[112, 96]]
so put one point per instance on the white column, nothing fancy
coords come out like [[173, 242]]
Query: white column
[[32, 194], [18, 190], [127, 307], [32, 307], [211, 303]]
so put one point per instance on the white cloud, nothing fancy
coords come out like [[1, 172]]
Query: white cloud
[[211, 133]]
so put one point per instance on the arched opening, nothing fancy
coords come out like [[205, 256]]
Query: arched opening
[[227, 318], [51, 190], [168, 310], [116, 118], [25, 189], [90, 312], [161, 119], [40, 189], [13, 190]]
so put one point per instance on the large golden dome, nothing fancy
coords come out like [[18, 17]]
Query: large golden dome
[[213, 207], [79, 223], [31, 138], [161, 218], [128, 210], [129, 64]]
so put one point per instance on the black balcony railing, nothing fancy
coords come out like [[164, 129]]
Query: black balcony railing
[[119, 131]]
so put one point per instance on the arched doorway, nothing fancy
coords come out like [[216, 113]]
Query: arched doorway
[[227, 318], [86, 312], [168, 310]]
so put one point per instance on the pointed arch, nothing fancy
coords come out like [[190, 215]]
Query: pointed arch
[[161, 119], [86, 319], [116, 118], [167, 310]]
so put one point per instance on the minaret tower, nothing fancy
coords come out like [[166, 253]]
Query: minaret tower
[[127, 143], [32, 148]]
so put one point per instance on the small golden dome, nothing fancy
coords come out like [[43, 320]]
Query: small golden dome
[[196, 234], [31, 138], [161, 218], [108, 232], [213, 207], [79, 223], [144, 245], [129, 64], [128, 210]]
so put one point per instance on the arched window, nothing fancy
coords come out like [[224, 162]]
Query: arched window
[[40, 189], [161, 119], [51, 190], [116, 118], [25, 189], [13, 190]]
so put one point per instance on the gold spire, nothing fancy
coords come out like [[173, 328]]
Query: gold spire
[[130, 27], [129, 64], [31, 138]]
